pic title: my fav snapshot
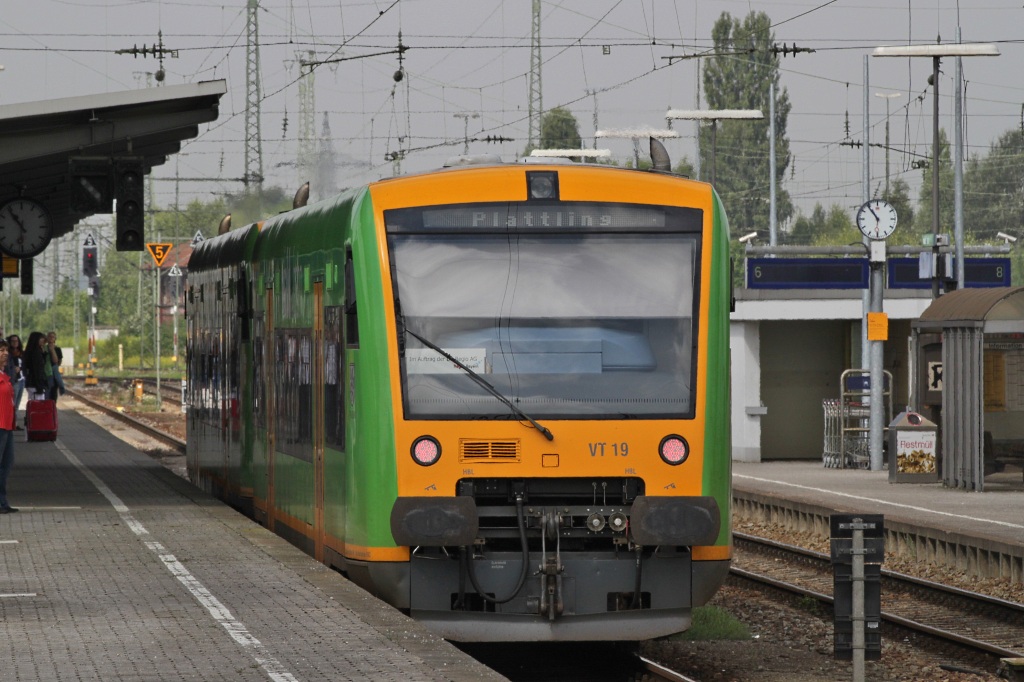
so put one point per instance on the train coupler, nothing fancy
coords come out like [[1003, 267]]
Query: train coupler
[[551, 602]]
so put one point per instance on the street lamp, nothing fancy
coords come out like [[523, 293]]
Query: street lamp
[[887, 96], [714, 115], [465, 129], [937, 52], [637, 134]]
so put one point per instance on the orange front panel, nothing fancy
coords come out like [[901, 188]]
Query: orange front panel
[[584, 448], [595, 448]]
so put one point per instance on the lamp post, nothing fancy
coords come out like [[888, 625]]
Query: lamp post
[[636, 134], [937, 52], [465, 129], [714, 115], [887, 96]]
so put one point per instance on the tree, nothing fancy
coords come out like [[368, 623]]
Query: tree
[[824, 228], [737, 77], [923, 219], [559, 130], [899, 196], [197, 216], [994, 189]]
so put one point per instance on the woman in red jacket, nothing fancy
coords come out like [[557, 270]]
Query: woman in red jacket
[[6, 430]]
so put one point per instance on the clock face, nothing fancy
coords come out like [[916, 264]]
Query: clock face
[[876, 219], [25, 228]]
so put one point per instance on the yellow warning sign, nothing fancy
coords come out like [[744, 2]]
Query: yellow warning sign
[[159, 252]]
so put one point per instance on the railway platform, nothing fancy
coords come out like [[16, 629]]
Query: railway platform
[[980, 533], [114, 568]]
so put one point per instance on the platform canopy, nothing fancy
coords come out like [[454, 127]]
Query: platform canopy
[[963, 318], [995, 310], [48, 147]]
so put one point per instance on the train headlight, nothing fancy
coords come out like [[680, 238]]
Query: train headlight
[[542, 185], [426, 451], [674, 449]]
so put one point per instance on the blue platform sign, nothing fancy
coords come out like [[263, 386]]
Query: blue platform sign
[[978, 273], [808, 273]]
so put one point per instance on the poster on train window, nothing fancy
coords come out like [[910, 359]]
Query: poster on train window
[[428, 361]]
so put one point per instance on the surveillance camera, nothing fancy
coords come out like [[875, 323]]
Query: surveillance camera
[[1008, 237], [747, 237]]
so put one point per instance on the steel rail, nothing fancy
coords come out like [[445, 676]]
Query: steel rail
[[888, 616], [175, 443]]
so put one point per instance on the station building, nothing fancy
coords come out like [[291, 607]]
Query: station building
[[791, 344]]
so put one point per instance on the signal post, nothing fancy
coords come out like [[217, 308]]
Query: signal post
[[91, 270]]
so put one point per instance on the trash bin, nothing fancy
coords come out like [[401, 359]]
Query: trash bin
[[913, 449]]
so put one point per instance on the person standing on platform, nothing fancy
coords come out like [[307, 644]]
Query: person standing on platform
[[56, 384], [6, 431], [37, 360], [14, 369]]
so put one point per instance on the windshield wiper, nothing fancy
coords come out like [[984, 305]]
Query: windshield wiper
[[482, 382]]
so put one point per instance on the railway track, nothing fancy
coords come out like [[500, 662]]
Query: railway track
[[176, 444], [649, 671], [977, 622]]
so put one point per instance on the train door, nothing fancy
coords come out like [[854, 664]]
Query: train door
[[318, 418], [269, 366]]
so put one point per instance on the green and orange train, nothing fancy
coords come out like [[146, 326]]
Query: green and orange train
[[495, 395]]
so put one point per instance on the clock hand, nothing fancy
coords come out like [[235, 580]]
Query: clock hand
[[18, 220], [873, 213]]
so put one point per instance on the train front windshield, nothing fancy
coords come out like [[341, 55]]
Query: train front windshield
[[569, 310]]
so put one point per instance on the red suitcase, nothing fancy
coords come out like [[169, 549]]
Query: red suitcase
[[41, 419]]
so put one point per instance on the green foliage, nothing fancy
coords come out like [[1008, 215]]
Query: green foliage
[[824, 228], [132, 353], [712, 623], [685, 167], [126, 283], [923, 219], [248, 207], [737, 77], [994, 189], [907, 229], [558, 130]]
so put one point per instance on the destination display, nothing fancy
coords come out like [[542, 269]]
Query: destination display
[[903, 273], [808, 273], [854, 273], [544, 216]]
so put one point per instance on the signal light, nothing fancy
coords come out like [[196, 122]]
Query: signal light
[[426, 451], [674, 449], [90, 264], [130, 193]]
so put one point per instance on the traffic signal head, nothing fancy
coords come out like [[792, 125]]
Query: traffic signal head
[[129, 193], [90, 264]]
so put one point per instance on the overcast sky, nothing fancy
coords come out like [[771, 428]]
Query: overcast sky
[[466, 72]]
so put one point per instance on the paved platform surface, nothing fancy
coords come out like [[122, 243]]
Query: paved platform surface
[[995, 514], [116, 569]]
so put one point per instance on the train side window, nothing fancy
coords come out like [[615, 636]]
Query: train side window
[[351, 318], [293, 393], [334, 379], [259, 386], [244, 309]]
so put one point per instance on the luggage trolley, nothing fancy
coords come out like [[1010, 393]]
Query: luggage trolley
[[846, 420]]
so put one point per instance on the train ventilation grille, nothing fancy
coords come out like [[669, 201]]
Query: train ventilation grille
[[489, 450]]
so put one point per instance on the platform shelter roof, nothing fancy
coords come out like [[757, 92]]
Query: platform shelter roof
[[995, 310]]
